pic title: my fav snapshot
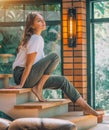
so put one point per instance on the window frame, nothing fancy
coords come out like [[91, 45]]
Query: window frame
[[90, 49]]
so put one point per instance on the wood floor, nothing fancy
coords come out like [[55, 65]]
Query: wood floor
[[104, 125]]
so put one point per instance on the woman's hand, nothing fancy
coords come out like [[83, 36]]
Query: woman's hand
[[15, 87]]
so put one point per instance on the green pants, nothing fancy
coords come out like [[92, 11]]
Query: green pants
[[45, 67]]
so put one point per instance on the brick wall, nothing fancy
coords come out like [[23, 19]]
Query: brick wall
[[75, 59]]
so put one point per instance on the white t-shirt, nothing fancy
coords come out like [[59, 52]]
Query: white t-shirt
[[35, 44]]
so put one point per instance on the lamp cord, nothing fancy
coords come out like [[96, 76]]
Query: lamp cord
[[72, 3], [73, 56], [73, 64]]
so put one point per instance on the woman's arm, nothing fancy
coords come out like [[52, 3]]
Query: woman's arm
[[29, 63]]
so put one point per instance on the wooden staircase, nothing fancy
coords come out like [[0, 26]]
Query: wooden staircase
[[22, 103], [82, 122], [4, 80]]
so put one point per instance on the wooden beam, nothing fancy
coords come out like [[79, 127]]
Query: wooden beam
[[38, 2]]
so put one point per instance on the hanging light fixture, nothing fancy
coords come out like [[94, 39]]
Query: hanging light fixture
[[72, 27]]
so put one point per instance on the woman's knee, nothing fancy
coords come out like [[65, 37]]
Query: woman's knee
[[55, 56], [64, 81]]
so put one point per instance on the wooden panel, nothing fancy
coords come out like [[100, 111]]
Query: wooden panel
[[7, 91], [43, 105], [6, 75]]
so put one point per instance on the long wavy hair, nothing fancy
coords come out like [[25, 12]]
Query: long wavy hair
[[28, 31]]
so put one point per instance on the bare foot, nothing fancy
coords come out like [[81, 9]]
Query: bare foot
[[92, 112], [38, 94], [98, 114]]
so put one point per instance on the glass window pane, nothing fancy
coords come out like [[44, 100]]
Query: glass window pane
[[9, 40], [2, 12], [14, 13], [102, 65], [52, 37], [52, 12], [101, 9], [32, 8]]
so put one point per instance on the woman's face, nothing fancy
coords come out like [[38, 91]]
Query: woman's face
[[39, 23]]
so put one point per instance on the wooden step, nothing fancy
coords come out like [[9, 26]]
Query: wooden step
[[4, 80], [5, 57], [11, 97], [6, 75], [83, 122], [43, 105], [47, 109], [100, 127], [22, 103], [16, 96], [16, 91]]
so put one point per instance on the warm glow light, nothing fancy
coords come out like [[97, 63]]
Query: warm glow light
[[72, 27]]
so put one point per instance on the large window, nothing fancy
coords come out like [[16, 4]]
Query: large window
[[99, 49], [12, 21]]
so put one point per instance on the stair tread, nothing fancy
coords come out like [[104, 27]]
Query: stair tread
[[6, 55], [17, 91], [75, 116], [43, 105], [82, 121], [6, 75]]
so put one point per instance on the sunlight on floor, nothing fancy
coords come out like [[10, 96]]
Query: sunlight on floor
[[104, 125], [101, 127]]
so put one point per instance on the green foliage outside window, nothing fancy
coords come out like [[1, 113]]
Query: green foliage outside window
[[101, 10]]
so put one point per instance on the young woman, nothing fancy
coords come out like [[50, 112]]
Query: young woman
[[33, 70]]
